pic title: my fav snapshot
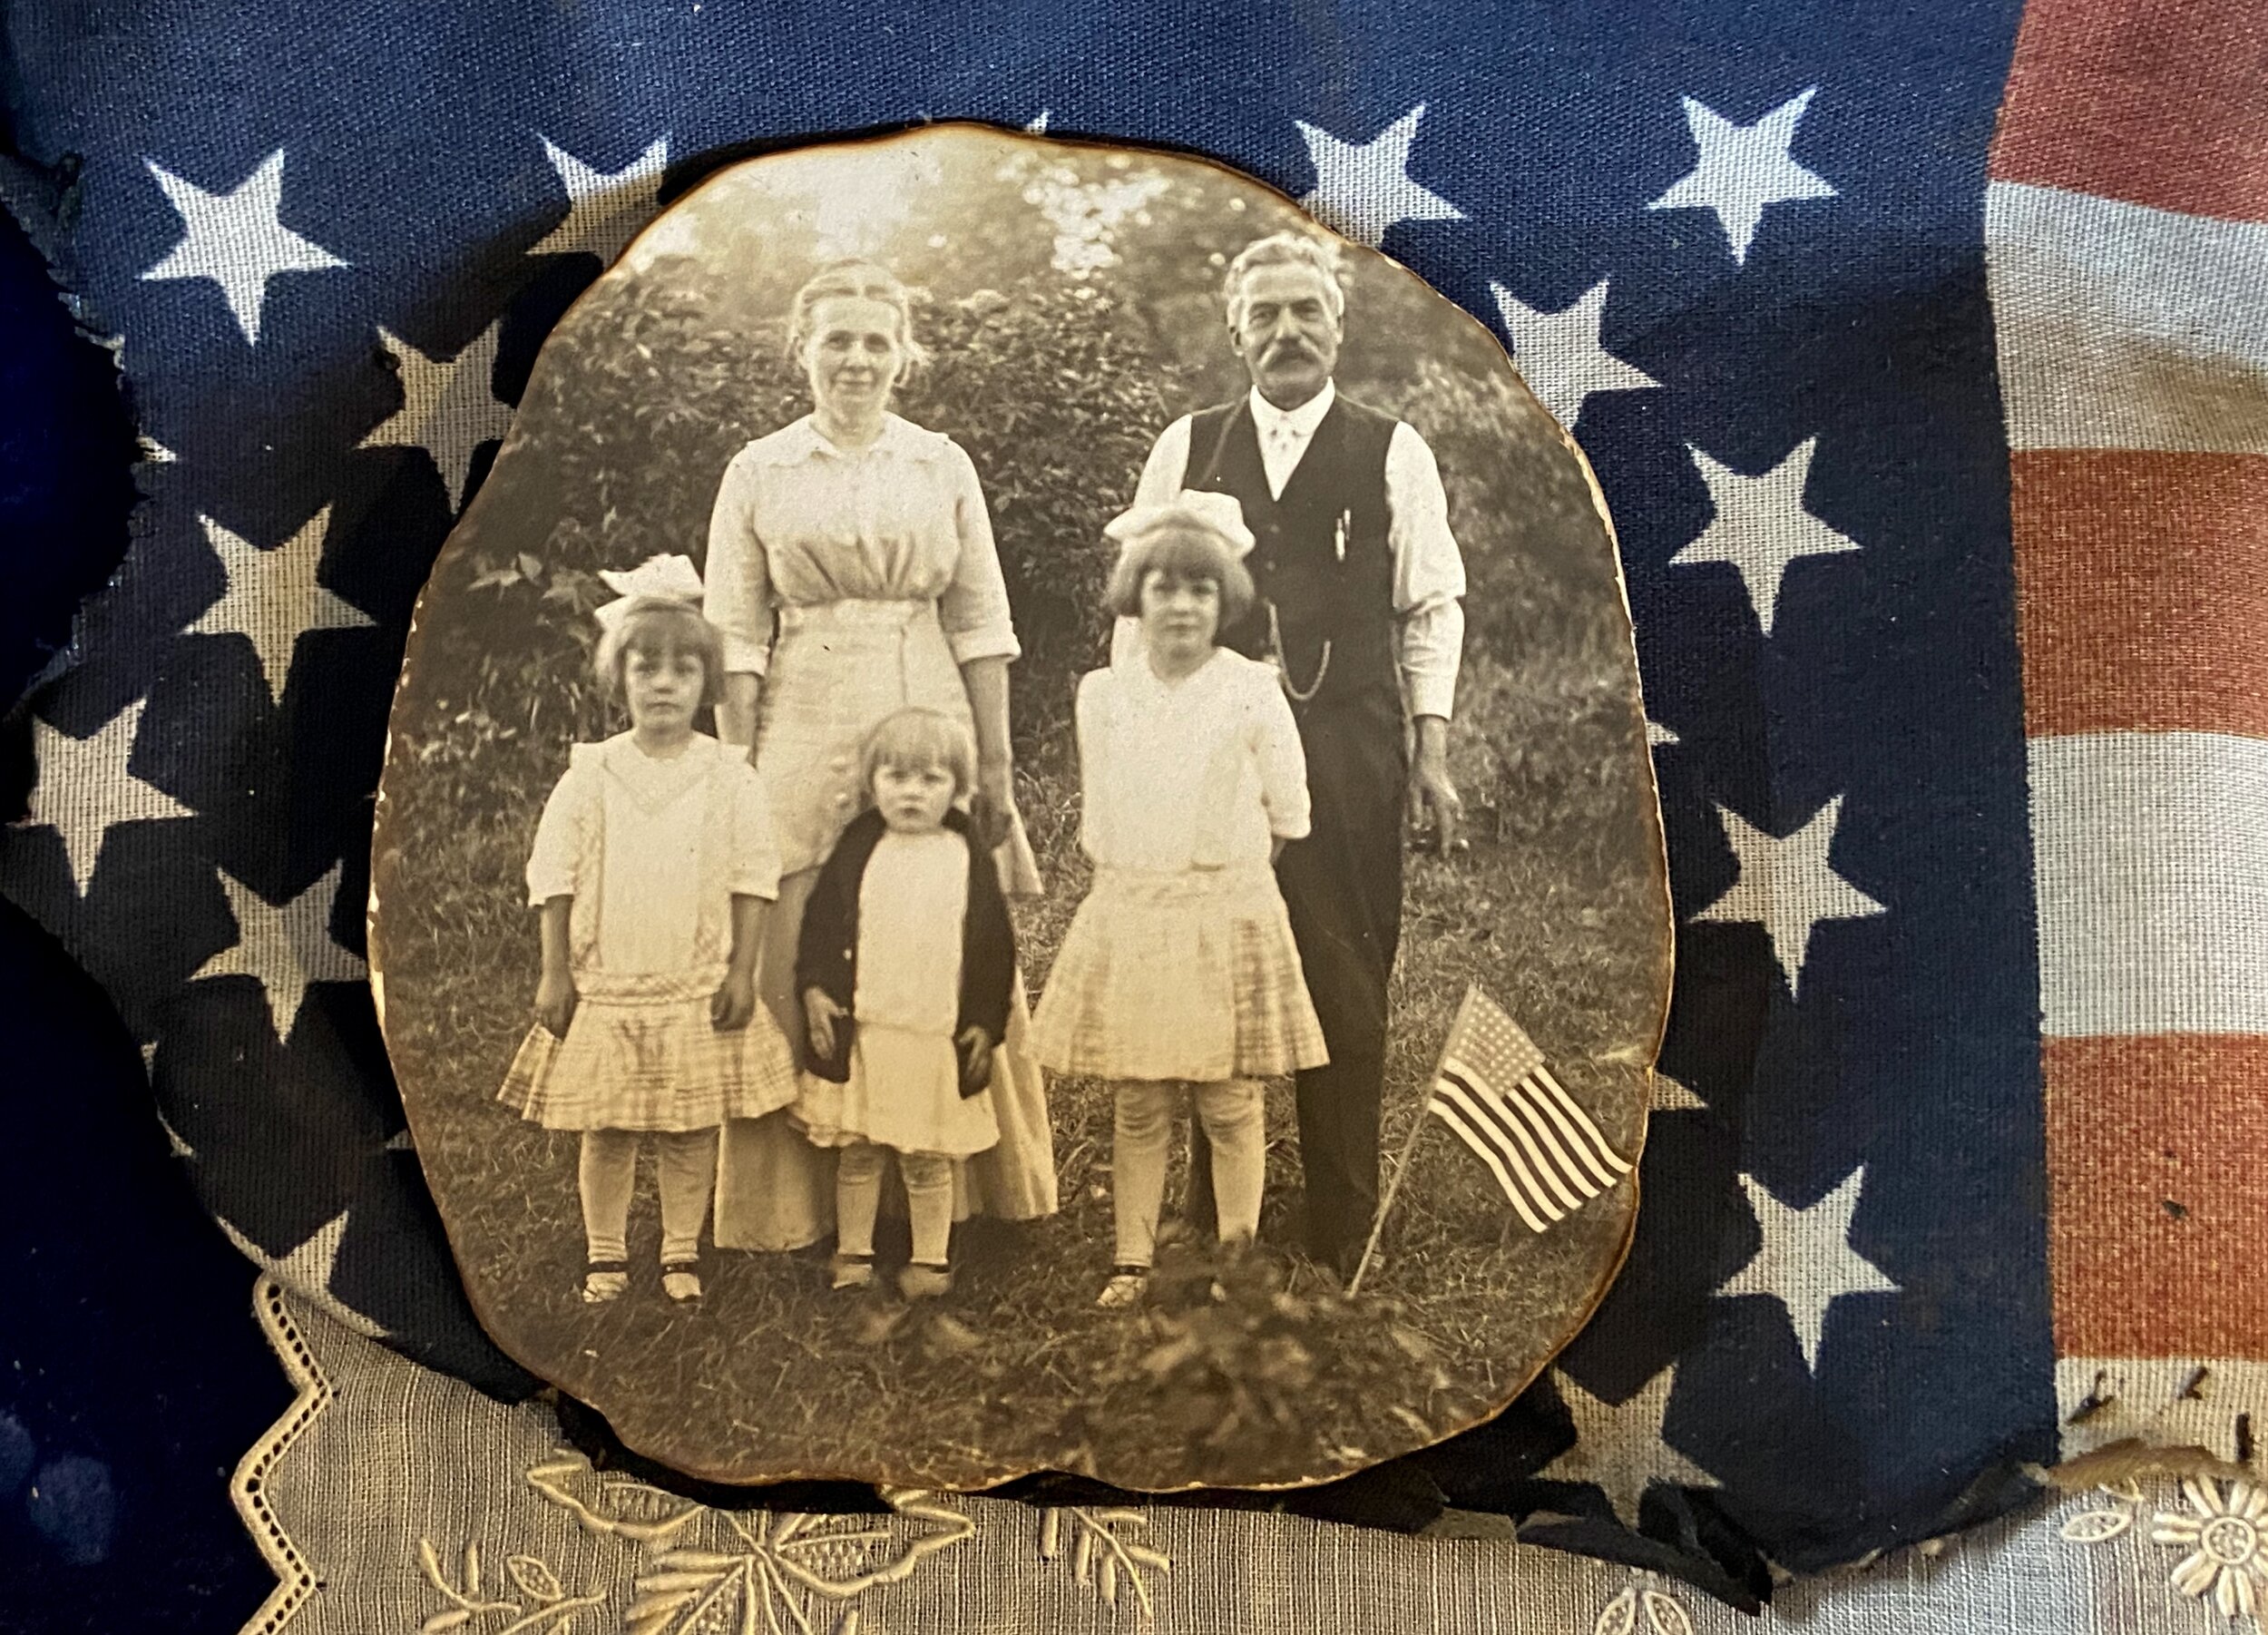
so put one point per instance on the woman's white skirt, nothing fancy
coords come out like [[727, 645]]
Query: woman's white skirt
[[1190, 975], [837, 670]]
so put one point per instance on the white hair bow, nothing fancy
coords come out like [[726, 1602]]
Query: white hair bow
[[663, 577], [1221, 514]]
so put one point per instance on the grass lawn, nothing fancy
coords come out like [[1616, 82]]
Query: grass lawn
[[1558, 911]]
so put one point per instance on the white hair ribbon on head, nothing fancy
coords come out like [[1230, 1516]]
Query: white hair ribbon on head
[[1221, 514], [663, 577]]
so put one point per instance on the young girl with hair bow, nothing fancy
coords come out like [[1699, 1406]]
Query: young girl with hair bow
[[1179, 968], [653, 867]]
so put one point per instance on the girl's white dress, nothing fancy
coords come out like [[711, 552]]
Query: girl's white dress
[[904, 1085], [1181, 963], [653, 852], [856, 583]]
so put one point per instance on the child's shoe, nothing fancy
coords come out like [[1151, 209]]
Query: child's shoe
[[605, 1280], [853, 1272], [1126, 1288], [682, 1281], [919, 1282]]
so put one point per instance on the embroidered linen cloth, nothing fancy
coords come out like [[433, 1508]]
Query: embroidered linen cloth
[[1921, 358], [391, 1496]]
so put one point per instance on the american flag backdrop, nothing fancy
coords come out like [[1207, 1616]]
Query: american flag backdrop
[[1920, 349], [2126, 232]]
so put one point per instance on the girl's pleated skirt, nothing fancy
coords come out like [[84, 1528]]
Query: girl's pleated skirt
[[641, 1053], [1191, 976]]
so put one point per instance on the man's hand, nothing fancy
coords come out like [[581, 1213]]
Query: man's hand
[[1434, 806], [733, 1005], [819, 1016], [555, 999], [995, 799]]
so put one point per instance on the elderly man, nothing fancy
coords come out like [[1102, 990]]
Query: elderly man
[[1359, 579]]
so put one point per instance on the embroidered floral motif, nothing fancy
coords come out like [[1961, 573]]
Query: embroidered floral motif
[[1664, 1615], [1102, 1558], [712, 1570], [2101, 1526], [2097, 1526], [2227, 1540], [783, 1567], [547, 1608], [618, 1506]]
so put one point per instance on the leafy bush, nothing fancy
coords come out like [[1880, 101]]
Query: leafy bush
[[642, 399]]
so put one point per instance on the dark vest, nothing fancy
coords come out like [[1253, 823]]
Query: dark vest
[[1320, 557]]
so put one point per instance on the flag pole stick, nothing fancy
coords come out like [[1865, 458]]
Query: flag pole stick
[[1409, 1143]]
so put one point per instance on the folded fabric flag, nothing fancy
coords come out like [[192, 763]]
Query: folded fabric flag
[[1925, 781], [2125, 236]]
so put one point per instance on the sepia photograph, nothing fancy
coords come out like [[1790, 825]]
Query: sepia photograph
[[1017, 835]]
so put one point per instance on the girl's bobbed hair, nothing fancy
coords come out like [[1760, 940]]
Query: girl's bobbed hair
[[858, 279], [660, 625], [919, 738], [1186, 549]]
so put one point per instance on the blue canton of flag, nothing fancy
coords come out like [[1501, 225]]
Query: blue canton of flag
[[1739, 251]]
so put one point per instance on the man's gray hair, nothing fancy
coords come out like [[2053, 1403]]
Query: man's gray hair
[[1284, 249]]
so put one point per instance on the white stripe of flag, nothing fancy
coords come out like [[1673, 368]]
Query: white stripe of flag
[[1494, 1091]]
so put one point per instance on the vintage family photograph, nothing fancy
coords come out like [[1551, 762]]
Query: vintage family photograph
[[1017, 835]]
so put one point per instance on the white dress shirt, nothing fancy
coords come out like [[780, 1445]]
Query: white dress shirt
[[1429, 571]]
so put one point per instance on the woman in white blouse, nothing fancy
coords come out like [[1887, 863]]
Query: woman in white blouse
[[852, 572]]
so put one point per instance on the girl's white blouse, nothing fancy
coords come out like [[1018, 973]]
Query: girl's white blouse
[[653, 852], [1204, 772]]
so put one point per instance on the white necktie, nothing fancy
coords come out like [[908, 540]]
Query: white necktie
[[1283, 455]]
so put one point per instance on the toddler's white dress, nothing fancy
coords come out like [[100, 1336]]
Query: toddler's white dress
[[904, 1085]]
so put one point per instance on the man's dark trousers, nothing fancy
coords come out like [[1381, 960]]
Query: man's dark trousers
[[1323, 565], [1343, 884]]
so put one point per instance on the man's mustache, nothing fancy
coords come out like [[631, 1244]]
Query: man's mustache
[[1286, 349]]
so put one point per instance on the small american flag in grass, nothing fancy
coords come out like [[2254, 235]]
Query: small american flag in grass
[[1494, 1091]]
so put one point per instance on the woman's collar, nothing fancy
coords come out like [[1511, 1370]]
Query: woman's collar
[[899, 437]]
